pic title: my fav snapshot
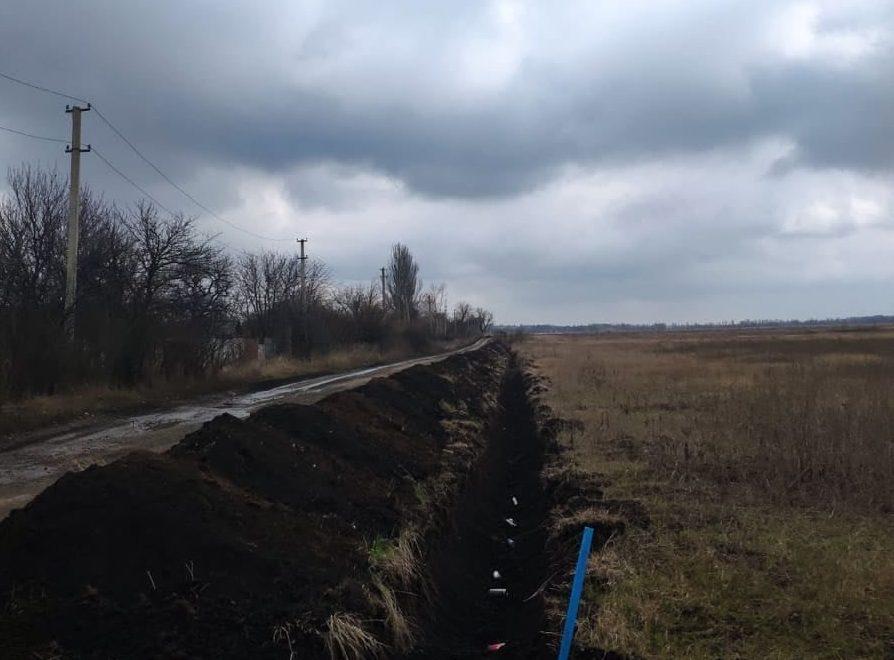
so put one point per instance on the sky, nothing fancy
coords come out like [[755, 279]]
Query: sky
[[564, 162]]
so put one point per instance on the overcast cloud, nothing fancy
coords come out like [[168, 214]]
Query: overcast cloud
[[631, 160]]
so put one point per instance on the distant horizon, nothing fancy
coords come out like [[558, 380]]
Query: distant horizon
[[867, 320]]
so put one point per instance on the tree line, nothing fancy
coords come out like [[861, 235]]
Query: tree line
[[158, 299]]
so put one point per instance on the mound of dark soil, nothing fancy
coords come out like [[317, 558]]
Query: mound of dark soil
[[243, 527]]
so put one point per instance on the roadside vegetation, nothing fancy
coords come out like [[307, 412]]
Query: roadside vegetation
[[162, 309], [764, 463], [86, 402]]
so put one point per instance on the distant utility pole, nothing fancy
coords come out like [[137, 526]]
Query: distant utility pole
[[74, 209], [303, 259], [382, 269]]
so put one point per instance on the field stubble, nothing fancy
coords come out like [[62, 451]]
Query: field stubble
[[764, 462]]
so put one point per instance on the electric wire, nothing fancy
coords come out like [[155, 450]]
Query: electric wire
[[177, 186], [133, 147], [41, 88], [129, 180], [99, 154], [31, 135]]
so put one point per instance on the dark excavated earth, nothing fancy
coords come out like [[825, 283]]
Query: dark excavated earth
[[244, 538], [201, 551]]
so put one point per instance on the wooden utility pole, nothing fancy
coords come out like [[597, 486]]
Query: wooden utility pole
[[74, 210], [382, 269], [303, 259]]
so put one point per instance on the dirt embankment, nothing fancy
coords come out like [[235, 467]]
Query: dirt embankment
[[248, 530], [368, 524]]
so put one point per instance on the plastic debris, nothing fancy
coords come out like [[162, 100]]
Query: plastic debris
[[496, 646], [511, 522], [514, 501], [497, 575], [498, 592], [510, 543]]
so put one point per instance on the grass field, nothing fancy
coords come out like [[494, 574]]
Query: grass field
[[765, 462]]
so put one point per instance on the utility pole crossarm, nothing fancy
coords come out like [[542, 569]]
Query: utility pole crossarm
[[74, 210]]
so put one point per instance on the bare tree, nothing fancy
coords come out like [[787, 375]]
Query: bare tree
[[31, 235], [462, 313], [362, 305], [403, 282], [307, 311], [32, 222], [265, 283], [157, 298], [483, 319], [434, 309], [317, 283], [173, 266]]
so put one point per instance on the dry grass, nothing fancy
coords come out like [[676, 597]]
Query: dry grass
[[403, 633], [91, 400], [765, 462], [286, 367], [400, 560], [347, 639]]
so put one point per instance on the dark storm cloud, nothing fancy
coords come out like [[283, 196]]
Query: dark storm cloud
[[836, 118], [206, 82], [576, 161]]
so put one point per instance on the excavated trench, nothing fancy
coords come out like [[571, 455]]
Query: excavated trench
[[254, 537], [490, 567]]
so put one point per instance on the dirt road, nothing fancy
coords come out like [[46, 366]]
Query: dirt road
[[42, 457]]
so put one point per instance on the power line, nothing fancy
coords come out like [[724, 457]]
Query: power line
[[112, 167], [41, 88], [144, 158], [177, 186], [131, 181], [101, 157], [32, 135]]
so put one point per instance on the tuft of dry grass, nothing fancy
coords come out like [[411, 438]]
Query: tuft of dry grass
[[347, 639], [399, 560], [764, 461], [402, 630]]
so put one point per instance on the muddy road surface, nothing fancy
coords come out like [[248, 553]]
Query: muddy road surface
[[36, 460]]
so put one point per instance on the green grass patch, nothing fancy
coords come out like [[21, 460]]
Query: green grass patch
[[380, 549]]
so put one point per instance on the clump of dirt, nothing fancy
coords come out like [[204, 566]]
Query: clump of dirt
[[251, 538]]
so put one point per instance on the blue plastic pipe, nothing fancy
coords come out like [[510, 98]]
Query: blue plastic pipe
[[577, 588]]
